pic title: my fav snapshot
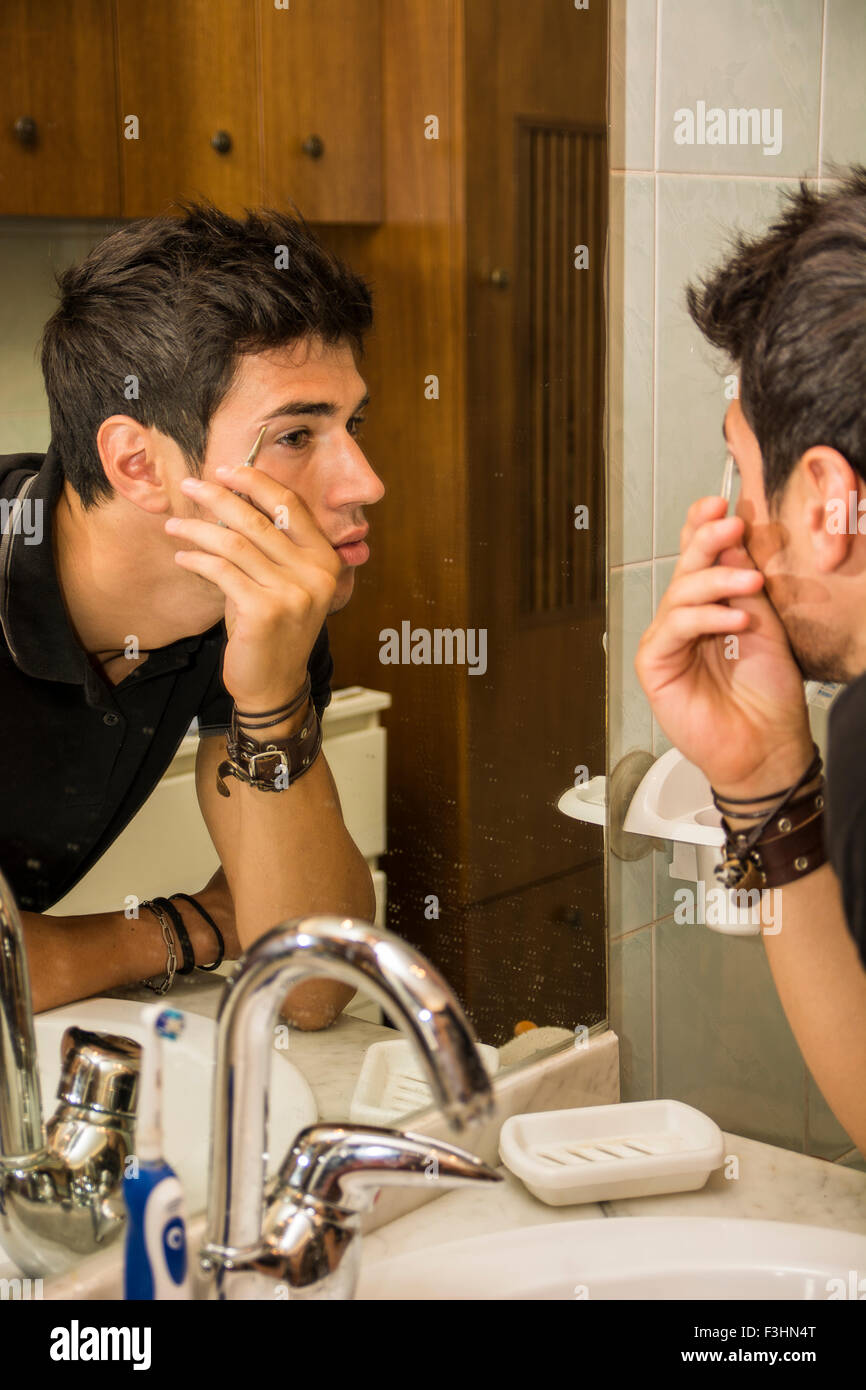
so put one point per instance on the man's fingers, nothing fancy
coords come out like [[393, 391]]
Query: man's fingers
[[230, 544], [704, 509], [234, 584], [285, 508], [711, 585], [707, 543], [681, 627]]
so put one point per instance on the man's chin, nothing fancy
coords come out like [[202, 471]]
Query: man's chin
[[344, 591]]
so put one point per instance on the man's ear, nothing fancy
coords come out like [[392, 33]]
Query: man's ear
[[833, 497], [134, 462]]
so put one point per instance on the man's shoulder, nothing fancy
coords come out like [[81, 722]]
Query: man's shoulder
[[14, 468]]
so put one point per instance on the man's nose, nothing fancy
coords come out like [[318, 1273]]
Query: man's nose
[[355, 483]]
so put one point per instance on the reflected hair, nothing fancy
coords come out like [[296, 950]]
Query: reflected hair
[[154, 321], [789, 309]]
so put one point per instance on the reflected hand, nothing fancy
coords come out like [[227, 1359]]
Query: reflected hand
[[717, 667]]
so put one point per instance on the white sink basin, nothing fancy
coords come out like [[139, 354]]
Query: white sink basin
[[188, 1064], [629, 1258]]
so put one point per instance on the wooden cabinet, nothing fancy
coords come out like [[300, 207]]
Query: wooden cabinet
[[187, 74], [117, 108], [322, 126], [58, 127], [485, 370]]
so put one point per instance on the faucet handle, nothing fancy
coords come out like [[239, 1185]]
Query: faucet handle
[[99, 1071], [345, 1166]]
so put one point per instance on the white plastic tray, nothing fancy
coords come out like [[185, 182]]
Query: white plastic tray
[[604, 1152], [392, 1083]]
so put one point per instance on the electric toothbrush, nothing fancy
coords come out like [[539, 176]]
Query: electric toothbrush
[[156, 1265]]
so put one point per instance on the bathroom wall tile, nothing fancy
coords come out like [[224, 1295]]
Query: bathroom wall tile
[[696, 217], [630, 367], [844, 124], [630, 894], [723, 1043], [663, 571], [630, 987], [24, 434], [632, 25], [825, 1137], [741, 55], [629, 612], [665, 887]]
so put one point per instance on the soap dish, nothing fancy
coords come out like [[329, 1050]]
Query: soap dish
[[392, 1083], [605, 1152]]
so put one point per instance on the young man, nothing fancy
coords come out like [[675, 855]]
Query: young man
[[786, 577], [168, 582]]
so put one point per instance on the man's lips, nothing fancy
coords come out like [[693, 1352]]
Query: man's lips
[[353, 549]]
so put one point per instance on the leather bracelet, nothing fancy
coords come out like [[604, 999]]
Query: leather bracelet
[[182, 935], [270, 766], [776, 858], [221, 945], [171, 959], [263, 720], [777, 861]]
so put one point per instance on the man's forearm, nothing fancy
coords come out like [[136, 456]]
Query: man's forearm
[[291, 856], [822, 985], [73, 958]]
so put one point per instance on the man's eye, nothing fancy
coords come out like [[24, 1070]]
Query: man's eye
[[295, 439], [355, 424]]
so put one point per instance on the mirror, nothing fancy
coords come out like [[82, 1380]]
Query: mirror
[[460, 165], [716, 112]]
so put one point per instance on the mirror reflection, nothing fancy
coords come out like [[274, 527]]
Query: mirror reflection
[[303, 580]]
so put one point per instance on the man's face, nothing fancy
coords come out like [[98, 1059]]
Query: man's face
[[808, 600], [313, 401]]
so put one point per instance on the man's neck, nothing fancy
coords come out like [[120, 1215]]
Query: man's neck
[[115, 589]]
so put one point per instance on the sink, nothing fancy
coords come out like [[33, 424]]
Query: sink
[[188, 1064], [628, 1258]]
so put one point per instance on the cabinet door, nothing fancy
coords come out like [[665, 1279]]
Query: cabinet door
[[58, 117], [321, 84], [187, 72]]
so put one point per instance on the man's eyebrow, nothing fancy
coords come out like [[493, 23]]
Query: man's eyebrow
[[321, 408]]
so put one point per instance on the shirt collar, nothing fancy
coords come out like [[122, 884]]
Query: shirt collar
[[42, 641]]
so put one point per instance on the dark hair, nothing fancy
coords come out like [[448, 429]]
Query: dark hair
[[789, 308], [174, 301]]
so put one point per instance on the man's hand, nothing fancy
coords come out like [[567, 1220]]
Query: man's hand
[[278, 573], [735, 708]]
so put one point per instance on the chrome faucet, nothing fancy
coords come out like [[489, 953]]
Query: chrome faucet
[[60, 1186], [298, 1237]]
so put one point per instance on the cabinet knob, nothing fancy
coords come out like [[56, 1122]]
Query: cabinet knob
[[221, 142], [499, 278], [314, 146], [25, 131]]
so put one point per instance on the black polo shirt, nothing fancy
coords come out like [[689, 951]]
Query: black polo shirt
[[79, 755]]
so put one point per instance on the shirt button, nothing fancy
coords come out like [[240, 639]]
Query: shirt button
[[110, 719]]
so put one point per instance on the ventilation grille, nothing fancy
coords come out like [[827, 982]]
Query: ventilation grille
[[561, 204]]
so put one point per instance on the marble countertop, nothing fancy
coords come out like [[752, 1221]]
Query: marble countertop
[[772, 1185]]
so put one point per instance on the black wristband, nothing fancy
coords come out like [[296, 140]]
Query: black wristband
[[182, 935], [221, 945]]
